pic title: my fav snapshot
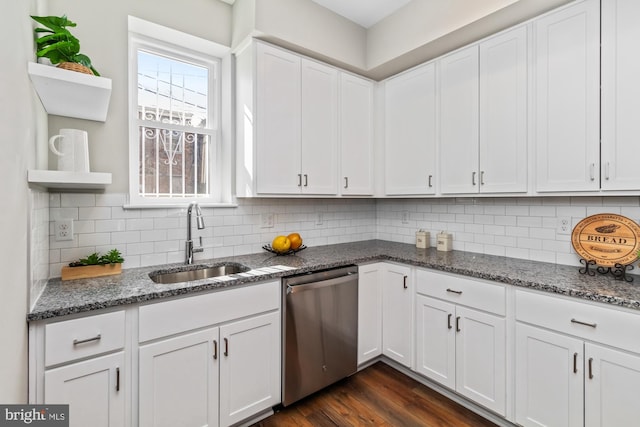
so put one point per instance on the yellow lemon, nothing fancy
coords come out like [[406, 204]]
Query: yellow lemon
[[281, 244], [296, 240]]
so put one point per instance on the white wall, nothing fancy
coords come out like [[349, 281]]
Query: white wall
[[102, 31], [20, 119]]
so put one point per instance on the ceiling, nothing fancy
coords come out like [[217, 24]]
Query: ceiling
[[363, 12]]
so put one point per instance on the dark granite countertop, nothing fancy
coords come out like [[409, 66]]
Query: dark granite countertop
[[134, 285]]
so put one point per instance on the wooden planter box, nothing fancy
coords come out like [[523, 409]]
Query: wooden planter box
[[88, 271]]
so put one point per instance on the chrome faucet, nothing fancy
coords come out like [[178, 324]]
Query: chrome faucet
[[189, 249]]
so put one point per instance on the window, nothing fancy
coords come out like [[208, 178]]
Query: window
[[176, 152]]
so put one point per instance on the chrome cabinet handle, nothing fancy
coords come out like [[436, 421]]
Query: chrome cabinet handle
[[481, 177], [226, 347], [118, 378], [473, 178], [592, 171], [449, 321], [86, 340], [591, 368], [346, 182], [215, 350], [306, 180], [430, 181], [606, 171], [453, 291], [575, 363], [404, 284], [458, 324], [579, 322], [299, 180]]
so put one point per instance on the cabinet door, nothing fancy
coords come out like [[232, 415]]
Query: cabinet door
[[612, 387], [481, 366], [620, 94], [459, 122], [503, 112], [249, 367], [410, 132], [178, 381], [567, 80], [94, 390], [319, 129], [277, 120], [549, 378], [356, 135], [369, 312], [436, 340], [397, 313]]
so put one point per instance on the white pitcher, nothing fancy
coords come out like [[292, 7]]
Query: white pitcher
[[72, 151]]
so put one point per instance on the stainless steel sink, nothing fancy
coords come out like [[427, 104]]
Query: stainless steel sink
[[197, 273]]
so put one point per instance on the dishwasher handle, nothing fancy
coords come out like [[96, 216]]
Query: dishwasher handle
[[292, 289]]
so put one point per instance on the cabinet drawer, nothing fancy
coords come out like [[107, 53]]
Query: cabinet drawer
[[608, 325], [87, 336], [185, 314], [459, 290]]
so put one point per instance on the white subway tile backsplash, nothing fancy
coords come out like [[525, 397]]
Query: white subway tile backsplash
[[94, 212], [515, 227]]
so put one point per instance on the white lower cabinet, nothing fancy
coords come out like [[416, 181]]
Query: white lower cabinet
[[182, 378], [249, 367], [566, 372], [369, 312], [397, 313], [460, 347], [210, 360], [93, 389], [178, 381]]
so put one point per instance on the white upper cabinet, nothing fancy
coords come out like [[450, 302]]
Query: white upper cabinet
[[566, 55], [459, 122], [356, 135], [483, 116], [302, 127], [319, 136], [277, 121], [620, 94], [503, 112], [410, 132]]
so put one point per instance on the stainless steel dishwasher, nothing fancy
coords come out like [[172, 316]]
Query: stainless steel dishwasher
[[319, 329]]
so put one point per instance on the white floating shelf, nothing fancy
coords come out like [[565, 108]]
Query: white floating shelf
[[69, 180], [70, 93]]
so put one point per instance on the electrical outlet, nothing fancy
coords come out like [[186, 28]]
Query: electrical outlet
[[266, 220], [319, 219], [405, 217], [563, 225], [64, 230]]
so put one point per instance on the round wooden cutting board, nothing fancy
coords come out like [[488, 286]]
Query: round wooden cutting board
[[608, 239]]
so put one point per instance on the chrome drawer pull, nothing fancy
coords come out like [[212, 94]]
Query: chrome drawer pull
[[454, 291], [591, 325], [96, 338]]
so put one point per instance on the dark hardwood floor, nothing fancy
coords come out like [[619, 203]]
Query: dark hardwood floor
[[376, 396]]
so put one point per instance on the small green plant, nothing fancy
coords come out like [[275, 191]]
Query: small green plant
[[112, 257], [57, 43]]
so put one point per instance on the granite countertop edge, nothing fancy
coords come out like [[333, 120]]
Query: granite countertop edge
[[134, 285]]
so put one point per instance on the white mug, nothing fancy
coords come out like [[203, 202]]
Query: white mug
[[72, 151]]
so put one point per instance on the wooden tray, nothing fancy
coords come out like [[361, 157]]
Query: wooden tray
[[88, 271], [607, 239]]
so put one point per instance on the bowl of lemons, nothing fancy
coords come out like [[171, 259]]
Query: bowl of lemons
[[285, 245]]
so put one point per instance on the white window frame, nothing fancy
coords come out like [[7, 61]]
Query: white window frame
[[158, 39]]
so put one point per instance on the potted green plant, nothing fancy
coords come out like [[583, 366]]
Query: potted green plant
[[59, 46], [94, 265]]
